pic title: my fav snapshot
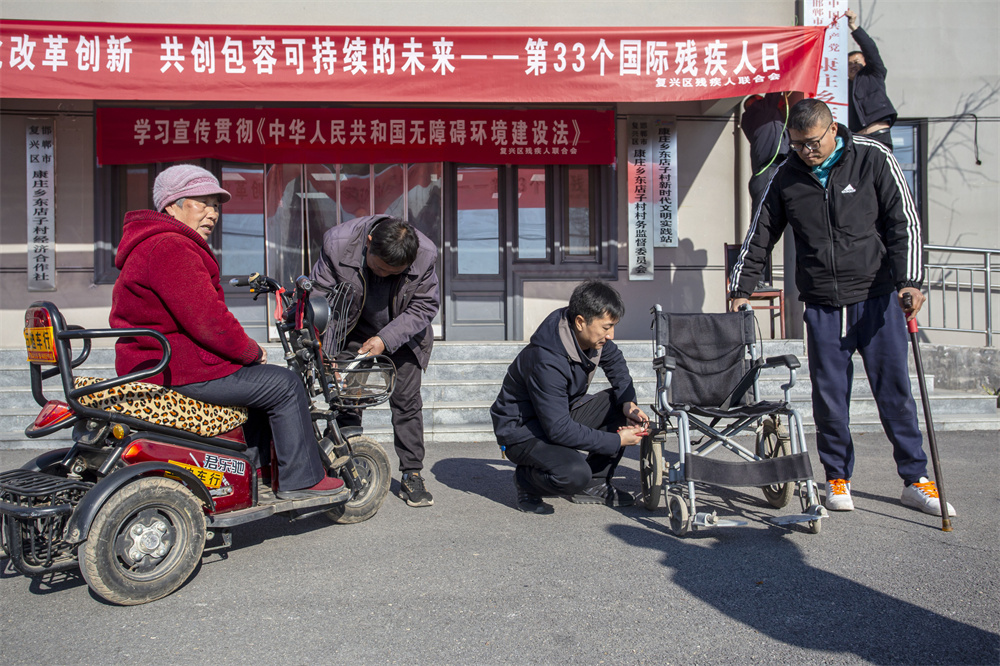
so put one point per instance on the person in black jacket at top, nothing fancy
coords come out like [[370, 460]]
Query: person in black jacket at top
[[858, 258], [763, 124], [870, 112], [543, 418]]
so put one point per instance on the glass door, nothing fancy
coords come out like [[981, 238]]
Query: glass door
[[474, 258]]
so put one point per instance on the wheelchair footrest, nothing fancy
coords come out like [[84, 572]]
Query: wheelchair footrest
[[814, 512], [771, 471], [713, 520]]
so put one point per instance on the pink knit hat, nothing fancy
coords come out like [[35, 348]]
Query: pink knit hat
[[185, 180]]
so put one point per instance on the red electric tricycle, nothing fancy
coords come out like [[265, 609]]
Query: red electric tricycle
[[152, 475]]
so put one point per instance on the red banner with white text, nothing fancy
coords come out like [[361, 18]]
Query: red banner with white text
[[356, 135], [400, 64]]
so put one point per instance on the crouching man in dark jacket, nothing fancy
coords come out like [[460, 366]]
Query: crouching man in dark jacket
[[543, 417]]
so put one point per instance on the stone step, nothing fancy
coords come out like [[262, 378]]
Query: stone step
[[463, 380], [19, 395], [12, 358], [442, 433]]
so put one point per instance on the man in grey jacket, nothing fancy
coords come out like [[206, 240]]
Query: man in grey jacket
[[390, 267]]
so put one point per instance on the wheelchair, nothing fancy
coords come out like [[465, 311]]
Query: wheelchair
[[707, 368]]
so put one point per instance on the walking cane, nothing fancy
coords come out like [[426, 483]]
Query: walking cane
[[911, 326]]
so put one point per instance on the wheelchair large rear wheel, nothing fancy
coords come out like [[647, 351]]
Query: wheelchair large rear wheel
[[651, 470], [772, 443]]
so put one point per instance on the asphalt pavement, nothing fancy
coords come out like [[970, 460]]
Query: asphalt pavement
[[472, 581]]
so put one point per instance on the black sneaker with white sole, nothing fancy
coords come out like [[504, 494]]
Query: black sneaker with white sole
[[412, 490], [603, 493]]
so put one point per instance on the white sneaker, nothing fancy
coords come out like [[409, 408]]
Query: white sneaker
[[838, 495], [923, 495]]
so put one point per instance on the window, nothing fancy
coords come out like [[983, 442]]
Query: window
[[120, 189], [241, 235], [908, 148], [532, 214], [478, 213], [580, 228]]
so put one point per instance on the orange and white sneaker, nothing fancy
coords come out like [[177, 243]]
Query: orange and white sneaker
[[838, 495], [923, 495]]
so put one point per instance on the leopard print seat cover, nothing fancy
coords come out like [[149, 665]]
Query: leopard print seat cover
[[163, 406]]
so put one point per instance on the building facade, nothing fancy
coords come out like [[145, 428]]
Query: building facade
[[545, 198]]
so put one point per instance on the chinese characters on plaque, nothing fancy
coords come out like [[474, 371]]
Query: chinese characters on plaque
[[832, 85], [133, 135], [652, 191], [41, 192]]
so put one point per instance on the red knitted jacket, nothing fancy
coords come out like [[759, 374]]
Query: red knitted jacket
[[170, 282]]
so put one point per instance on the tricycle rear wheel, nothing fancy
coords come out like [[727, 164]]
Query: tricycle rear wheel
[[372, 464], [144, 543]]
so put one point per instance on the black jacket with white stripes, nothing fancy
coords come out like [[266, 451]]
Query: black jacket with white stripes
[[855, 239]]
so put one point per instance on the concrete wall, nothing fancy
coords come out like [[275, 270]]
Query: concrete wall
[[943, 61], [959, 368], [85, 303]]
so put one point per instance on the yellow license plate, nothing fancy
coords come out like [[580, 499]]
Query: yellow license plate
[[40, 345], [210, 477]]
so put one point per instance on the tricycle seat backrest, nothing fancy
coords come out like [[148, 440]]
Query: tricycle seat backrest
[[162, 406]]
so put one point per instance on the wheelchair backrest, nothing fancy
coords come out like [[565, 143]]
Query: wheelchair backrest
[[712, 353]]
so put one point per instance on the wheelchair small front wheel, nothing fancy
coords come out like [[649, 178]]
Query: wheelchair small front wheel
[[680, 521]]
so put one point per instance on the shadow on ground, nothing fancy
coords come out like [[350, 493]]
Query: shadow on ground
[[781, 596]]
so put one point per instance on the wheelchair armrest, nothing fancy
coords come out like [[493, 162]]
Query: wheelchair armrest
[[666, 362], [787, 361]]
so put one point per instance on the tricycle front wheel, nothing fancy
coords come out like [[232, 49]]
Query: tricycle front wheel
[[372, 464]]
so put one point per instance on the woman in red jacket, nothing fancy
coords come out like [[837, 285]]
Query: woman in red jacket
[[170, 282]]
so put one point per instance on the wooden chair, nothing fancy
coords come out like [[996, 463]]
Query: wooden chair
[[765, 296]]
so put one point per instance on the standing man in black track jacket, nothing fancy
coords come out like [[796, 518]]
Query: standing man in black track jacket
[[858, 264]]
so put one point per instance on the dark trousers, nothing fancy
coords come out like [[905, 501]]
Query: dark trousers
[[876, 329], [279, 407], [549, 470], [406, 406]]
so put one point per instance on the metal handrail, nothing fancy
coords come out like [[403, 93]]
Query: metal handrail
[[958, 291]]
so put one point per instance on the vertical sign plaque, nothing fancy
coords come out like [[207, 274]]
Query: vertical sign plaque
[[832, 85], [664, 194], [41, 208], [652, 193], [640, 180]]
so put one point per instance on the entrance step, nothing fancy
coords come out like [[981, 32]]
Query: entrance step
[[463, 379]]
